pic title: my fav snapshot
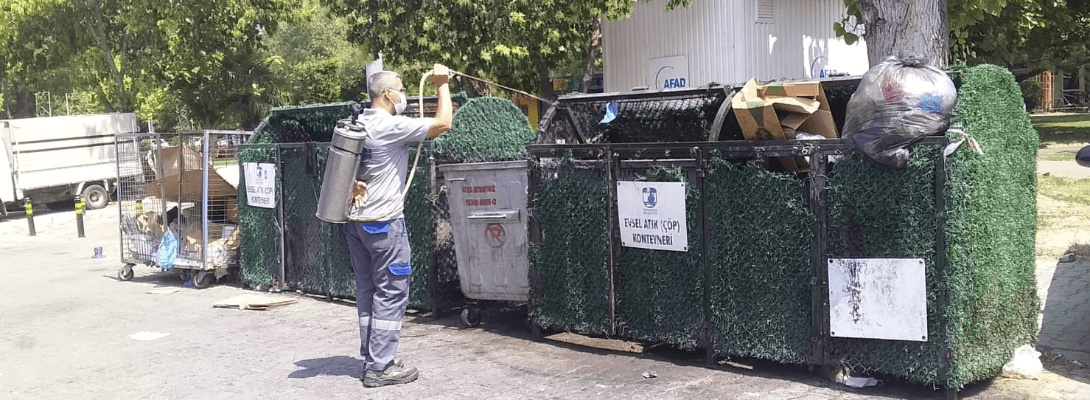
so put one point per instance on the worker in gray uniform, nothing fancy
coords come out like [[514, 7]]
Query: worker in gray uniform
[[378, 242]]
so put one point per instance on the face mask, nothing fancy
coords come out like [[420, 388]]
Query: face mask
[[399, 107]]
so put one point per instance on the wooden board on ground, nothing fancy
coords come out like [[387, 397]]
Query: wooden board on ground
[[598, 343], [254, 302]]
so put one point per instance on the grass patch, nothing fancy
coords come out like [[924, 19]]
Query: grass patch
[[1069, 190], [1045, 221], [1081, 251], [1062, 128], [1061, 156]]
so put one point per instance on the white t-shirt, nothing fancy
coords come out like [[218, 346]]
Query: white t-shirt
[[384, 164]]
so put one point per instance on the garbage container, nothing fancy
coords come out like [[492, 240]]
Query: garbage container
[[489, 222]]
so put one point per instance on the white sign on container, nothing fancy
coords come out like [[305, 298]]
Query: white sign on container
[[878, 298], [651, 215], [669, 73], [260, 184]]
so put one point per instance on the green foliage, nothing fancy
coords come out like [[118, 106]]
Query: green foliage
[[162, 109], [569, 269], [259, 227], [1069, 128], [1031, 93], [1034, 35], [759, 284], [316, 61], [991, 228], [981, 300], [514, 42], [1026, 34], [315, 81], [212, 57], [203, 52], [486, 129], [644, 310], [878, 212]]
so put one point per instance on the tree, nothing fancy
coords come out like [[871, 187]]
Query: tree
[[203, 55], [317, 62], [517, 43], [38, 42], [903, 28], [1029, 37], [65, 46], [212, 58]]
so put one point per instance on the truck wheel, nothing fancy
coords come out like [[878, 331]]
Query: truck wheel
[[96, 197]]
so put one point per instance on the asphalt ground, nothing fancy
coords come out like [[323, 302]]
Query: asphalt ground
[[67, 326]]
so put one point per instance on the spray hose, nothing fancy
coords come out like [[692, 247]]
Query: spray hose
[[420, 109], [420, 146]]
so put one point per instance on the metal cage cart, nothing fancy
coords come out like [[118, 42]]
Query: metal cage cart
[[178, 203]]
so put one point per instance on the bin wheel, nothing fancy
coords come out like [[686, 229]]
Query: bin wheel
[[184, 275], [125, 273], [203, 279], [535, 330], [471, 316]]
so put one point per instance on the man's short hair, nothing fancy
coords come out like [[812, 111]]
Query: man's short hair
[[382, 81]]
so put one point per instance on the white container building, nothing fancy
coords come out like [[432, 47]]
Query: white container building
[[728, 42]]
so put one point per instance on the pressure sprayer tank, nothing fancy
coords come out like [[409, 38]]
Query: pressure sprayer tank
[[349, 138]]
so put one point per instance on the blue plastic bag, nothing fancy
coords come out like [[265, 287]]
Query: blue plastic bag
[[168, 251]]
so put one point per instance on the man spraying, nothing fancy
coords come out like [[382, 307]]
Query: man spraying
[[378, 242]]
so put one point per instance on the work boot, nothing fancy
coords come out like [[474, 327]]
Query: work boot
[[395, 363], [393, 375]]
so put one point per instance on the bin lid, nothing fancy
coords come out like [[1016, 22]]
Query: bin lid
[[485, 166]]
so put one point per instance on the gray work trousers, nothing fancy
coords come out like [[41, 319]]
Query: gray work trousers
[[380, 260]]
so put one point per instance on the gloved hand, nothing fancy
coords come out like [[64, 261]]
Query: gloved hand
[[440, 75], [359, 194]]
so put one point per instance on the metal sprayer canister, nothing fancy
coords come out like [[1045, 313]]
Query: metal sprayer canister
[[349, 138]]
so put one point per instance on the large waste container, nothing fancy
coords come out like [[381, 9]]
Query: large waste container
[[488, 217], [758, 277]]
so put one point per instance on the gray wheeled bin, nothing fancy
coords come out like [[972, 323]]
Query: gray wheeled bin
[[489, 222]]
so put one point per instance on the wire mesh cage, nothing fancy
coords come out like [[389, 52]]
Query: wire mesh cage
[[177, 197], [688, 115]]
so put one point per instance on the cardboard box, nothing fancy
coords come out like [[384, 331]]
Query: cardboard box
[[779, 111], [187, 186]]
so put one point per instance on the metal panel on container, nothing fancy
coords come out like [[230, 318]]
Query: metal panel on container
[[489, 222], [878, 298]]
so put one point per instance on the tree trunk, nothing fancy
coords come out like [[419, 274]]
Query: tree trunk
[[26, 105], [592, 53], [544, 83], [98, 30], [906, 28]]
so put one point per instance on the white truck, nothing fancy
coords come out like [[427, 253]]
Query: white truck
[[51, 159]]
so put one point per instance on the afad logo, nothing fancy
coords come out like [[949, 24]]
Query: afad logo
[[650, 197]]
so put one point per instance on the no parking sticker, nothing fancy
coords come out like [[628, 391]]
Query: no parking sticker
[[495, 235]]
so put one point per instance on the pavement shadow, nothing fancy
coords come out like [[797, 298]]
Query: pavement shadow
[[511, 322], [168, 279], [327, 366], [1065, 334]]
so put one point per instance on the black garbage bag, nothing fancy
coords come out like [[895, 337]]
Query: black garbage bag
[[897, 103], [1083, 157]]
